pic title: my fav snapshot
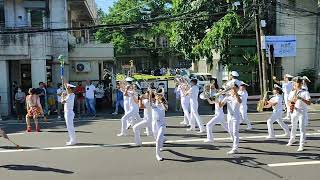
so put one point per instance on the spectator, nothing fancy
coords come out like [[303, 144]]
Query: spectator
[[80, 101], [90, 98], [177, 94], [20, 98], [42, 93], [60, 91], [51, 92], [119, 99], [34, 109]]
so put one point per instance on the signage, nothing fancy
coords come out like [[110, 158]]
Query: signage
[[284, 46]]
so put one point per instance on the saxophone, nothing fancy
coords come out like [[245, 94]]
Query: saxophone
[[262, 102]]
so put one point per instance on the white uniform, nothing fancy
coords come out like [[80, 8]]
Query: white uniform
[[185, 104], [305, 87], [158, 126], [233, 116], [194, 115], [244, 108], [133, 113], [298, 116], [146, 122], [69, 116], [287, 88], [218, 118], [276, 116]]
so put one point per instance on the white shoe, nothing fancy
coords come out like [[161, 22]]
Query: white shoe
[[190, 129], [208, 141], [200, 132], [270, 137], [286, 134], [286, 118], [71, 143], [183, 123], [290, 143], [249, 128], [121, 134], [159, 158], [59, 117], [115, 113], [300, 149], [138, 144], [233, 151]]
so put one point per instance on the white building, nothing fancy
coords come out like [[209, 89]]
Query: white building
[[295, 20], [29, 58]]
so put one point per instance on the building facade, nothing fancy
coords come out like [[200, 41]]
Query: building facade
[[29, 58]]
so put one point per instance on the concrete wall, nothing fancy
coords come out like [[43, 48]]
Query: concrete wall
[[14, 9], [92, 51], [305, 29], [80, 76]]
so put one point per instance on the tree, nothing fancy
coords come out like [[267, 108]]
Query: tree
[[128, 11]]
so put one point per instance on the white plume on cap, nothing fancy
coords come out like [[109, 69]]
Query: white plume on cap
[[243, 83], [71, 85], [306, 78], [289, 76], [129, 79], [234, 73], [277, 86]]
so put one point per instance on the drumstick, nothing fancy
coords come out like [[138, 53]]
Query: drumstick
[[4, 135], [17, 145]]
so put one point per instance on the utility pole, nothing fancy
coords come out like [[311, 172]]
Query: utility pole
[[263, 54], [258, 38]]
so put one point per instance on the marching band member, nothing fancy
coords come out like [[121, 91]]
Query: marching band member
[[234, 79], [244, 106], [218, 118], [287, 87], [159, 125], [133, 111], [233, 102], [145, 103], [276, 104], [298, 100], [194, 115], [185, 104], [68, 101]]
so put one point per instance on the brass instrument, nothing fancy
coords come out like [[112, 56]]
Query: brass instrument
[[262, 102], [183, 83]]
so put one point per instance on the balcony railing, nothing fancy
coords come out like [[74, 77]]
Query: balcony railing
[[92, 6]]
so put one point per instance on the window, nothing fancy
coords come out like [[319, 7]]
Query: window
[[36, 18], [2, 20]]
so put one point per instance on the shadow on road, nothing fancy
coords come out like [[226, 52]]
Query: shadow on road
[[15, 167]]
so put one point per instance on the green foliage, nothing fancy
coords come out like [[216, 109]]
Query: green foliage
[[127, 11]]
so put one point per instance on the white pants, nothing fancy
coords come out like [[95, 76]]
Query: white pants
[[244, 115], [233, 127], [69, 116], [137, 128], [218, 118], [276, 116], [286, 97], [159, 128], [130, 114], [195, 116], [185, 107], [306, 115], [298, 117]]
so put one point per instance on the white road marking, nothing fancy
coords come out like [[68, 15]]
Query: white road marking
[[294, 163], [132, 144]]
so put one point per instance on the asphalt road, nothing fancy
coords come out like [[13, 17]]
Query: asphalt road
[[102, 155]]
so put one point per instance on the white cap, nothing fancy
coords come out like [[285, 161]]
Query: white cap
[[289, 76], [71, 86], [243, 83], [306, 78], [129, 79], [277, 86], [234, 73]]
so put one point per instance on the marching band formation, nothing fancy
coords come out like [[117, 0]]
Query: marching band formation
[[293, 93]]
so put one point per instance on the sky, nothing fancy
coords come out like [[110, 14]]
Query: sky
[[105, 4]]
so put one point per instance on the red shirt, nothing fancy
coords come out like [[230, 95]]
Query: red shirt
[[79, 92]]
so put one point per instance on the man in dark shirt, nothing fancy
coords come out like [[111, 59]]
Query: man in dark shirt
[[41, 92]]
